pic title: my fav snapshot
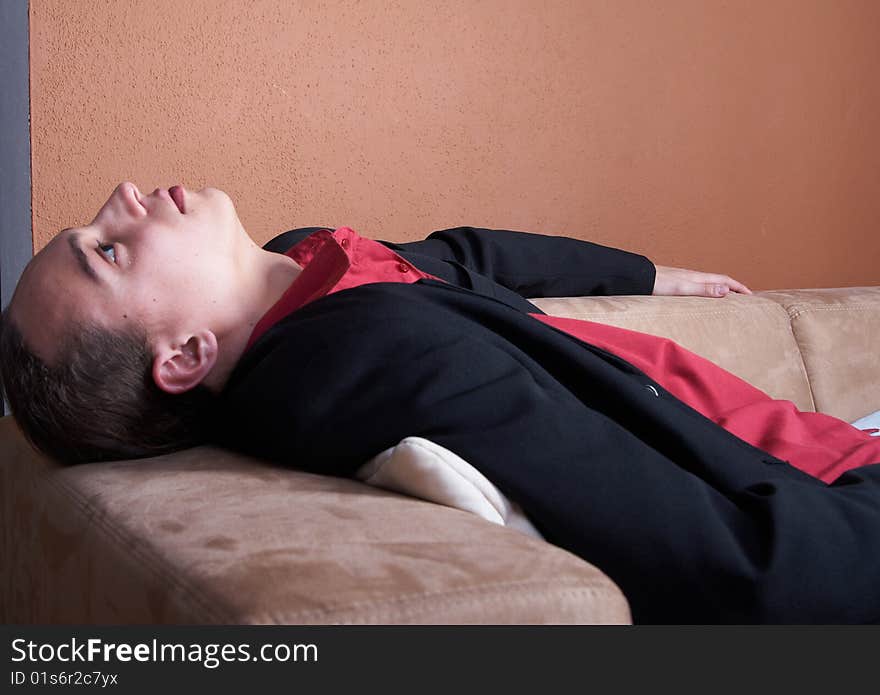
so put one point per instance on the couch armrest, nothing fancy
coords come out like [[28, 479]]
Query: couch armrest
[[209, 536]]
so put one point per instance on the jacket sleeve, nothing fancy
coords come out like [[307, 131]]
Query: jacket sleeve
[[540, 265]]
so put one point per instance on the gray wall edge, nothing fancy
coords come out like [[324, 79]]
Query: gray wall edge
[[16, 240]]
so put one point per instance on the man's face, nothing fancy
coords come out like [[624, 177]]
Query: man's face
[[164, 259]]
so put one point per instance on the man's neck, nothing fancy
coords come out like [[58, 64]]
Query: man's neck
[[266, 275]]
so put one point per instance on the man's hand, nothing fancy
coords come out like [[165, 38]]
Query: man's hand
[[679, 281]]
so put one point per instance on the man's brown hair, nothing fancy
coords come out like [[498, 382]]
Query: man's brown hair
[[99, 401]]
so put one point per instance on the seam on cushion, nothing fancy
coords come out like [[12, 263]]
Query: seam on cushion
[[793, 312], [381, 609], [380, 542], [796, 311], [804, 369], [488, 593], [125, 542], [797, 343], [803, 363], [475, 592], [519, 598]]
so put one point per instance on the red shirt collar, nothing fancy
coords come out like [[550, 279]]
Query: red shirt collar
[[334, 261], [324, 263]]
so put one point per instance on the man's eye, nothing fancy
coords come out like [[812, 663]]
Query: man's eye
[[102, 247]]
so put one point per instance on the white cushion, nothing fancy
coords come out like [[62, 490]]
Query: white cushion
[[869, 422], [420, 468]]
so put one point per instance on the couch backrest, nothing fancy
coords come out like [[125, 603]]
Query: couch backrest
[[816, 347], [838, 333]]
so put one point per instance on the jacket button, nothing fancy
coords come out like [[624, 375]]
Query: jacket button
[[653, 390], [403, 267]]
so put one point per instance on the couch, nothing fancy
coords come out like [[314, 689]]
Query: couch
[[210, 536]]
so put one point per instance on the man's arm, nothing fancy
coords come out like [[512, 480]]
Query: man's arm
[[539, 265], [532, 265]]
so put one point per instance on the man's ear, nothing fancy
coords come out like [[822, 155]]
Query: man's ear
[[182, 365]]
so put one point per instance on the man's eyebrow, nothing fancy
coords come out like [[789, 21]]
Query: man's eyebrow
[[81, 258]]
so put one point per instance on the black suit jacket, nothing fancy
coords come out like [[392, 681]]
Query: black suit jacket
[[511, 266], [693, 523]]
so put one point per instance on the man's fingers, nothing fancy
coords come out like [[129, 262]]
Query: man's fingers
[[683, 282], [739, 287], [720, 285], [734, 285]]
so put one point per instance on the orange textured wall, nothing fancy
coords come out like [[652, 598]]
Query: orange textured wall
[[739, 136]]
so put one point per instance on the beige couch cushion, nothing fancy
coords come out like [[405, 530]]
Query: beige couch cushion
[[749, 336], [838, 330]]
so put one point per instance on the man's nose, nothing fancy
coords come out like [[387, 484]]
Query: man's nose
[[131, 198]]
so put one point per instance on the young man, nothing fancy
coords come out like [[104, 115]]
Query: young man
[[161, 324]]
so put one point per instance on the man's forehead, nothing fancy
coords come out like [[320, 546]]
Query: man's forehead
[[55, 261], [39, 269], [47, 299], [51, 246]]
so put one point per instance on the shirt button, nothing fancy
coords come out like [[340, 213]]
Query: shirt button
[[403, 267], [345, 243], [653, 390]]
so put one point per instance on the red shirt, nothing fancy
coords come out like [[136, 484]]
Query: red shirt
[[818, 444]]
